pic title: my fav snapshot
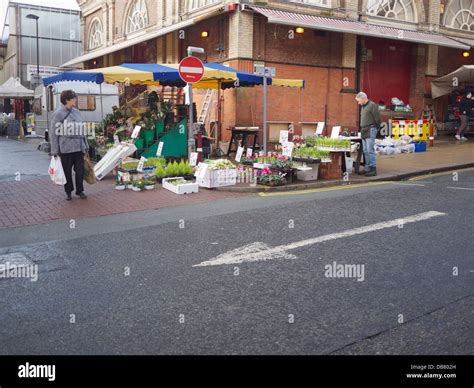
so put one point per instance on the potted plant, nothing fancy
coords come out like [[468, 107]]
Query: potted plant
[[160, 122], [269, 178], [160, 173], [167, 108], [148, 123], [138, 185], [149, 184], [120, 184]]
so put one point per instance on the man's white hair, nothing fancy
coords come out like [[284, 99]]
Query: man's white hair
[[361, 96]]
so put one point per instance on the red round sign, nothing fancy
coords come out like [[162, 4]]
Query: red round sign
[[191, 70]]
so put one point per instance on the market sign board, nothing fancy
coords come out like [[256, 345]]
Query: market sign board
[[191, 70], [44, 71]]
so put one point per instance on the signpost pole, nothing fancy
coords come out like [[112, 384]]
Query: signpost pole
[[191, 141], [265, 113], [191, 50]]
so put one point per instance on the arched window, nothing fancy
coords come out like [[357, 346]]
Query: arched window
[[137, 18], [460, 15], [393, 9], [96, 35]]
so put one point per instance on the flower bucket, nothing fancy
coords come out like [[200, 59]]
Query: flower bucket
[[139, 143], [148, 135], [160, 127]]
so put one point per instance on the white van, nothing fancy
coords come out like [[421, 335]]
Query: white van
[[93, 101]]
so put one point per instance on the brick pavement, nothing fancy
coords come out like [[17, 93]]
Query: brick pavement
[[39, 201]]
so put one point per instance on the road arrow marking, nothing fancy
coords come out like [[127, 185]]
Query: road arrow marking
[[259, 251]]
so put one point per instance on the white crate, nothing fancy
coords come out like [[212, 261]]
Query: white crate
[[217, 178], [185, 188], [310, 174]]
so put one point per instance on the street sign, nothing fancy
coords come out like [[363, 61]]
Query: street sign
[[270, 72], [191, 70], [259, 68]]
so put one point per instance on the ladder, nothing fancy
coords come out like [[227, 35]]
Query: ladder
[[206, 106]]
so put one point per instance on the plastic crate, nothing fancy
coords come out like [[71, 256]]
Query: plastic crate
[[420, 147]]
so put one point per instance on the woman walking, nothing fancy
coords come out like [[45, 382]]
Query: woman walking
[[68, 141]]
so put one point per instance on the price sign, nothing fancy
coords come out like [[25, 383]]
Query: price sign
[[319, 128], [193, 159], [249, 152], [136, 132], [141, 163], [160, 148], [240, 151], [288, 149], [284, 137], [201, 171]]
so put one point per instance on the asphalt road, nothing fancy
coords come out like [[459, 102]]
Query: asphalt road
[[129, 284]]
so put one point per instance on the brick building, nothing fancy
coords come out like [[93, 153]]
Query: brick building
[[387, 48]]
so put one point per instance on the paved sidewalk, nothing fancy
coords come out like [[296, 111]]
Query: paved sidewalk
[[36, 200], [447, 154], [39, 201], [22, 157]]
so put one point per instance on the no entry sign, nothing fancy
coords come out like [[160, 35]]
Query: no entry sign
[[191, 70]]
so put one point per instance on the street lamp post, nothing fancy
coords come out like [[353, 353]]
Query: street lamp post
[[36, 17]]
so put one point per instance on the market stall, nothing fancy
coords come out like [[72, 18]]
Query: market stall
[[14, 90], [158, 128]]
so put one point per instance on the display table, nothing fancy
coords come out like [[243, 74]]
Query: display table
[[242, 133]]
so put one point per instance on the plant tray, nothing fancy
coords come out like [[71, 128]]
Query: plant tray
[[331, 149], [187, 177], [185, 188], [307, 160], [146, 170], [262, 165]]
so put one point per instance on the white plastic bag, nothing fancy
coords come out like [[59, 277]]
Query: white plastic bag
[[56, 171]]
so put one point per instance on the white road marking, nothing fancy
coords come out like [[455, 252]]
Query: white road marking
[[459, 188], [259, 251]]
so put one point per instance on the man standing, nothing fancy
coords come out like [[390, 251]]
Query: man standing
[[70, 147], [369, 124]]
